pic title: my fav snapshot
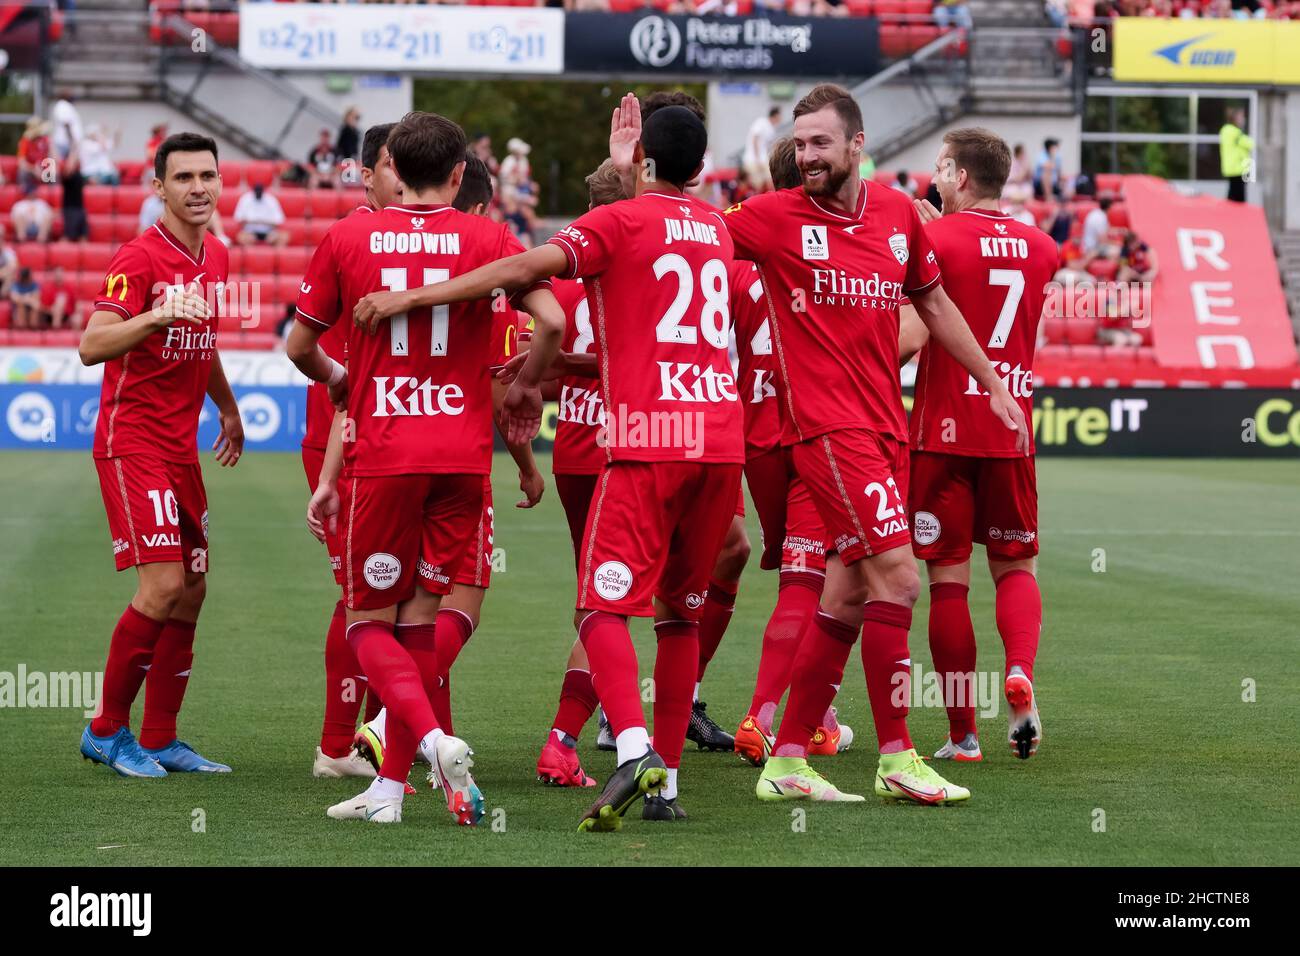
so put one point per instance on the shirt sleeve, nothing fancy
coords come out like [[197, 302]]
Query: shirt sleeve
[[590, 241], [318, 296], [923, 261], [126, 286], [750, 226], [275, 214]]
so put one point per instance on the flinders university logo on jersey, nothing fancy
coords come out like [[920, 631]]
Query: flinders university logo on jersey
[[836, 287], [399, 396]]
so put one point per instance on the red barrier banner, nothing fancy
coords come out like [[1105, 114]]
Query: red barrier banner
[[1217, 300]]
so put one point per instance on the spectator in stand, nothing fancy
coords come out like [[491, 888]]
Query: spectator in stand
[[1047, 171], [1058, 12], [1015, 208], [519, 191], [67, 129], [74, 198], [1057, 223], [322, 163], [32, 217], [758, 143], [483, 150], [25, 294], [96, 154], [1096, 225], [8, 265], [58, 302], [259, 217], [33, 150], [952, 13], [150, 210], [1137, 260], [156, 136], [1020, 181], [1235, 154], [867, 168], [348, 146], [216, 228], [904, 183]]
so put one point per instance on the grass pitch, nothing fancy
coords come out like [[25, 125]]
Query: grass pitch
[[1141, 678]]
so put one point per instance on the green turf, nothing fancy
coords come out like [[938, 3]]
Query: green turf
[[1140, 680]]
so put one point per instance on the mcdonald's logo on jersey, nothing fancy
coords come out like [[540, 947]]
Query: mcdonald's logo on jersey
[[111, 283]]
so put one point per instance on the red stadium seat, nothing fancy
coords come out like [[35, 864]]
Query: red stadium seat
[[1110, 183], [9, 167], [263, 288], [1038, 208], [60, 338], [922, 183], [232, 173], [9, 195], [33, 255], [886, 9], [1054, 329], [320, 203], [286, 289], [1086, 353], [6, 313], [225, 28], [860, 8], [919, 34], [261, 341], [258, 260], [293, 202], [88, 285], [1105, 269], [227, 203], [125, 228], [893, 40], [99, 199], [65, 254], [259, 171], [1117, 214], [52, 194], [127, 200], [316, 229], [1079, 208], [297, 230], [131, 170], [1080, 331], [1119, 354], [292, 261]]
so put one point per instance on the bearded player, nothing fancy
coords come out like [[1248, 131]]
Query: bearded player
[[344, 680], [970, 481], [420, 410], [843, 254], [154, 326], [655, 273]]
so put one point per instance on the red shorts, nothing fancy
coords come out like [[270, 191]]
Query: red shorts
[[398, 529], [956, 500], [793, 536], [476, 570], [157, 511], [858, 483], [575, 493], [312, 460], [654, 531]]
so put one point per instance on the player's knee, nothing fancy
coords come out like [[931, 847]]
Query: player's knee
[[735, 555], [196, 589], [162, 591]]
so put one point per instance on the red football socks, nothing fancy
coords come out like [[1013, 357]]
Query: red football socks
[[391, 668], [715, 615], [613, 668], [577, 703], [888, 668], [796, 603], [1019, 611], [453, 629], [344, 688], [676, 659], [824, 649], [164, 688], [952, 645], [129, 655]]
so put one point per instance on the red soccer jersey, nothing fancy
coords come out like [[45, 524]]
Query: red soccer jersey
[[320, 410], [655, 270], [996, 271], [837, 282], [151, 396], [419, 389], [757, 369], [582, 409]]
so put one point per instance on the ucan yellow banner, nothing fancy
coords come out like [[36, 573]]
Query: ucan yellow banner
[[1259, 52]]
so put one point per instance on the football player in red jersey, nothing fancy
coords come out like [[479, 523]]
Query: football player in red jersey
[[344, 681], [154, 326], [843, 254], [970, 479], [655, 274], [419, 410]]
